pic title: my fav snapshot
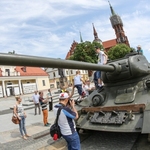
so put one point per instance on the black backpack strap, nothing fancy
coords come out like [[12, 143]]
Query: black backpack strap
[[58, 113]]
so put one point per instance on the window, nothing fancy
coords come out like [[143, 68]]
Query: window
[[54, 75], [43, 81], [52, 86], [7, 72], [9, 83], [66, 72]]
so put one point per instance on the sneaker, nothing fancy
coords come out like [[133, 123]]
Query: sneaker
[[99, 85], [48, 124], [100, 88], [27, 135]]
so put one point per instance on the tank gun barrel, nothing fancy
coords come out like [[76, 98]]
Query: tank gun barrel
[[35, 61]]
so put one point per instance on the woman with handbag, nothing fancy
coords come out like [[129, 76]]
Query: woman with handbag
[[20, 113]]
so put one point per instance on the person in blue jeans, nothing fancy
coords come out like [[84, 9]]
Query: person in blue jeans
[[20, 113], [102, 60], [66, 121], [78, 83]]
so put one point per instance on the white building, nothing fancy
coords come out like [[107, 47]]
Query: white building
[[22, 80], [68, 73]]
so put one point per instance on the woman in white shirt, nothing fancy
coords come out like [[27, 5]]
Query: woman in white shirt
[[20, 113]]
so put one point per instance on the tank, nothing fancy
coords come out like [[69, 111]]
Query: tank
[[122, 105]]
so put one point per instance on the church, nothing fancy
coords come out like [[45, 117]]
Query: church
[[117, 25]]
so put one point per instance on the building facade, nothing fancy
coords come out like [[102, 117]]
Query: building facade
[[22, 80], [54, 76]]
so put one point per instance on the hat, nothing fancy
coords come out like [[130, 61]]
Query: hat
[[63, 95], [139, 46]]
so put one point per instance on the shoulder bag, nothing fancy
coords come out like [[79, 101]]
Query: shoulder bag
[[55, 129], [15, 119]]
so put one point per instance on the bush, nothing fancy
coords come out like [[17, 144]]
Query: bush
[[118, 51]]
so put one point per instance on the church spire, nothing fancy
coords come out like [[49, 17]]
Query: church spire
[[96, 39], [117, 25], [94, 32], [81, 40], [112, 10]]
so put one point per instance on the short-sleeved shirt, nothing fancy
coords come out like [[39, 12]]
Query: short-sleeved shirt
[[19, 109], [77, 80], [140, 51], [86, 87], [66, 120], [36, 98], [49, 96], [101, 58]]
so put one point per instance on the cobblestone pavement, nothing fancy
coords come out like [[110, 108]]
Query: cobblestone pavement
[[29, 144], [109, 141], [96, 141], [99, 141], [142, 143]]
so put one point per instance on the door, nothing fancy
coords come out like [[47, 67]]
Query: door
[[16, 91], [1, 91]]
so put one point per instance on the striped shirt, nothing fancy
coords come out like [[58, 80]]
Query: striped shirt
[[43, 105]]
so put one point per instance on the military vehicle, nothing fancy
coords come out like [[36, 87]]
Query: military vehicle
[[122, 105]]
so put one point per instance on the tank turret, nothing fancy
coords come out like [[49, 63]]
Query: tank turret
[[122, 105], [129, 68]]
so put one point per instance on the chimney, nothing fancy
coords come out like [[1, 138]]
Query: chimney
[[24, 68]]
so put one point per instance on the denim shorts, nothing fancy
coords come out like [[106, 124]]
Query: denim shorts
[[98, 74]]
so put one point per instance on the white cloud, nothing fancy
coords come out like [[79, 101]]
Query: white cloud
[[48, 28]]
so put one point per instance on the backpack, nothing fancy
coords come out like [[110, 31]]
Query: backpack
[[55, 129]]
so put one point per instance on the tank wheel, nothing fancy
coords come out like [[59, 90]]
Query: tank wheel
[[97, 100]]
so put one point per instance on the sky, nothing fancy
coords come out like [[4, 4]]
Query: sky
[[47, 28]]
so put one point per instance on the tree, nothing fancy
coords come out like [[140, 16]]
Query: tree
[[118, 51], [85, 52]]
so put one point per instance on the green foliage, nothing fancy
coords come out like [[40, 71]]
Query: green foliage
[[118, 51], [85, 52], [133, 49]]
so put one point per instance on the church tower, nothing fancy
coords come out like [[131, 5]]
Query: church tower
[[117, 25], [96, 39]]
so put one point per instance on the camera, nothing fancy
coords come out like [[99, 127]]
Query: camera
[[69, 101]]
